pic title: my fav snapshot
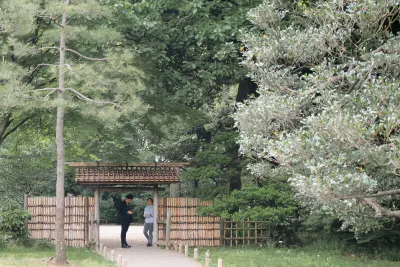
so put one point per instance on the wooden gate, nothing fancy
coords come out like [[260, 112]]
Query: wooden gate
[[76, 228], [186, 225]]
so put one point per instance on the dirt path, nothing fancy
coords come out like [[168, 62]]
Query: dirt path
[[139, 255]]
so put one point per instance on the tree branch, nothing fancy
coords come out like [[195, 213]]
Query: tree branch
[[40, 65], [81, 96], [50, 47], [45, 89], [15, 128], [379, 194], [85, 57], [4, 124], [371, 70], [380, 211]]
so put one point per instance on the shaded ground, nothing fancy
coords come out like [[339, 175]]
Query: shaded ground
[[139, 255]]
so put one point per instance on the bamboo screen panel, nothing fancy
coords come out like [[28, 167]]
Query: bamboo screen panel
[[43, 211], [187, 226]]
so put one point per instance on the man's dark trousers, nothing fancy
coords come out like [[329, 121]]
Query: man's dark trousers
[[124, 229]]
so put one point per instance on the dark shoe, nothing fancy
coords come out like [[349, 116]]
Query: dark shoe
[[124, 246], [149, 245], [128, 245]]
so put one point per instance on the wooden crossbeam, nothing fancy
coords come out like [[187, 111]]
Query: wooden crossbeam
[[128, 189], [131, 164]]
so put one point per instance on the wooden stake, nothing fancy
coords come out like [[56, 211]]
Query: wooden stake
[[101, 248], [186, 250], [180, 249], [220, 263], [196, 254]]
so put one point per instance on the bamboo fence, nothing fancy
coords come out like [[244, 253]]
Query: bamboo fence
[[247, 232], [76, 228], [186, 225]]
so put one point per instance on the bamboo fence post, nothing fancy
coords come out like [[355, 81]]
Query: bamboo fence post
[[85, 220], [119, 261], [196, 254], [90, 228], [208, 258], [92, 224], [124, 263], [186, 250], [168, 230], [220, 263], [222, 232], [180, 248], [112, 255]]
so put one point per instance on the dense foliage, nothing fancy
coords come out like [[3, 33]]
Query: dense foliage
[[283, 107], [12, 224], [327, 116]]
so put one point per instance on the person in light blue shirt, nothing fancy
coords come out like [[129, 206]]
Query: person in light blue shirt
[[148, 222]]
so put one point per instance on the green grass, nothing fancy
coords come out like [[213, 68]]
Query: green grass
[[32, 257], [283, 257]]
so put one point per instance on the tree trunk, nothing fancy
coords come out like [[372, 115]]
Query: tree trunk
[[61, 256]]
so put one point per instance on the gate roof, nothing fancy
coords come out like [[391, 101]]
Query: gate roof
[[97, 173]]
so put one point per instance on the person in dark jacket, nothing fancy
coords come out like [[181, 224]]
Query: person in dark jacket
[[125, 214]]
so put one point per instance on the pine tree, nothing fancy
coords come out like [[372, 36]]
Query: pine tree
[[93, 74]]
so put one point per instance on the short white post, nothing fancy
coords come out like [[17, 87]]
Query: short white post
[[124, 263], [196, 254], [176, 246], [101, 248], [105, 252], [119, 261], [112, 256], [208, 258], [180, 248], [220, 263], [186, 250]]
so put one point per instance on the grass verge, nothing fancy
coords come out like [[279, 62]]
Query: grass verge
[[283, 257], [32, 257]]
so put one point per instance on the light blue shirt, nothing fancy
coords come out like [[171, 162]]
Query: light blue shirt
[[149, 210]]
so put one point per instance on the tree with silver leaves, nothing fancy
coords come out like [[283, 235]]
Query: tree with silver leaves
[[328, 114]]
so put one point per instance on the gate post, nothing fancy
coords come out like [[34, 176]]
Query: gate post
[[168, 229], [155, 207], [97, 215], [26, 207]]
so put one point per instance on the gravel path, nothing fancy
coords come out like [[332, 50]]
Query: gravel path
[[139, 255]]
